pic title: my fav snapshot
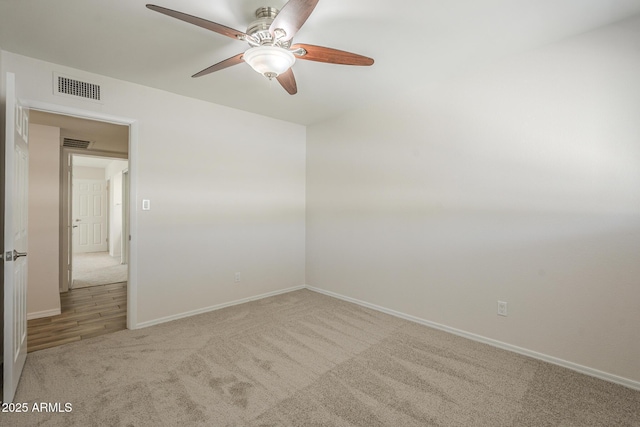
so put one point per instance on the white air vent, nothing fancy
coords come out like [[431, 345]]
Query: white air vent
[[68, 86], [75, 143]]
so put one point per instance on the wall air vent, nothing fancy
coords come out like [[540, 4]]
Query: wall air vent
[[67, 86], [75, 143]]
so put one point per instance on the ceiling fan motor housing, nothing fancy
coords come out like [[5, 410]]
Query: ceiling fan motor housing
[[259, 29]]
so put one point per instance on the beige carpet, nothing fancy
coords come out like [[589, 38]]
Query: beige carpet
[[305, 359], [97, 268]]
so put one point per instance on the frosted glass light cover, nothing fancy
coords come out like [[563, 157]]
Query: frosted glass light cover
[[270, 61]]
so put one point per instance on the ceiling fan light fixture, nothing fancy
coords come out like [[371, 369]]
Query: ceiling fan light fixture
[[270, 36], [270, 61]]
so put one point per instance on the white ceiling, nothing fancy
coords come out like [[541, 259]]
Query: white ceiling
[[416, 43]]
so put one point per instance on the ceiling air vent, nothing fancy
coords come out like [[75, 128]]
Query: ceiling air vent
[[64, 85], [75, 143]]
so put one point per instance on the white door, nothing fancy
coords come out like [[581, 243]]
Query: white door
[[89, 215], [15, 239]]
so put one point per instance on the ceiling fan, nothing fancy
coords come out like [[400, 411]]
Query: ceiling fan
[[270, 38]]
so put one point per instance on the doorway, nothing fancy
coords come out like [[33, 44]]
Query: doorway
[[16, 319], [99, 221], [106, 157]]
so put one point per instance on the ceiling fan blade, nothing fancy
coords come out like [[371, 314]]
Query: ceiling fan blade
[[332, 56], [292, 16], [288, 82], [209, 25], [234, 60]]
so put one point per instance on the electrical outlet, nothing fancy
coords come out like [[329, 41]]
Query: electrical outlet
[[236, 277], [502, 308]]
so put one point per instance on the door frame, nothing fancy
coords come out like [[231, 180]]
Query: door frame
[[66, 209], [132, 285], [125, 217]]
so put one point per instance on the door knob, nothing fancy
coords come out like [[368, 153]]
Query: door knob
[[17, 254]]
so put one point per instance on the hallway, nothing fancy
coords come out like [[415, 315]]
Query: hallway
[[86, 312]]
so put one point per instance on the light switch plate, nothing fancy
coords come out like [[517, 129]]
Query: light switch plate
[[146, 205], [502, 308]]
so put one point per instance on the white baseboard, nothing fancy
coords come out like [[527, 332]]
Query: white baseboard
[[41, 314], [540, 356], [216, 307]]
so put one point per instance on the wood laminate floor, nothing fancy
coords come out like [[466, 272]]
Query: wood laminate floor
[[86, 313]]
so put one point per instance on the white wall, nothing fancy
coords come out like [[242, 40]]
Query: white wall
[[115, 219], [88, 172], [115, 167], [114, 174], [227, 191], [519, 182], [43, 298]]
